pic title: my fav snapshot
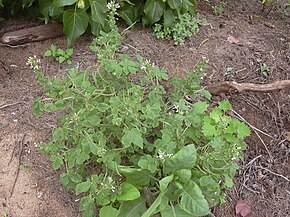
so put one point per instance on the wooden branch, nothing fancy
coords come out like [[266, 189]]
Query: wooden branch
[[226, 86], [33, 34]]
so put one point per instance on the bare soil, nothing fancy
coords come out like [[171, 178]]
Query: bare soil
[[259, 37]]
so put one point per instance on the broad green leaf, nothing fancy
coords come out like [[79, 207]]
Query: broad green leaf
[[175, 211], [61, 3], [75, 23], [133, 136], [83, 187], [153, 208], [193, 201], [184, 175], [163, 183], [185, 158], [98, 8], [108, 211], [127, 13], [169, 18], [154, 9], [175, 4], [128, 192], [133, 208], [95, 27]]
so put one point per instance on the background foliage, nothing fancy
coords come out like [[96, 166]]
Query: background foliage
[[80, 15]]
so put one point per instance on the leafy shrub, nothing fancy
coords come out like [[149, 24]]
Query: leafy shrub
[[181, 28], [128, 145]]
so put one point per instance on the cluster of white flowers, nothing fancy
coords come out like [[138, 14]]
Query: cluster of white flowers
[[102, 151], [113, 5], [33, 62], [146, 64], [109, 184], [163, 155]]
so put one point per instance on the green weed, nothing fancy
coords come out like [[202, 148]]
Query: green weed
[[127, 145]]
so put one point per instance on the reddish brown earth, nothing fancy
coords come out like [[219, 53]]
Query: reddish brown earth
[[256, 37]]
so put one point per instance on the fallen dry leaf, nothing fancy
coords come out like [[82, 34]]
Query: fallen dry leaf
[[242, 208], [232, 40]]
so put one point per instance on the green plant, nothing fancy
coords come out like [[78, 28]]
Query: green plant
[[265, 69], [25, 166], [80, 15], [59, 54], [130, 147], [182, 27], [219, 8], [4, 213]]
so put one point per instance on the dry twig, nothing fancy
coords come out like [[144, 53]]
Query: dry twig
[[226, 86], [8, 105], [18, 166], [276, 174]]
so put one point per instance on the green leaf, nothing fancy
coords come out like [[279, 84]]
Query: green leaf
[[132, 208], [185, 158], [193, 201], [152, 209], [64, 179], [184, 175], [47, 53], [169, 18], [108, 211], [87, 206], [163, 183], [128, 192], [69, 51], [57, 161], [229, 183], [243, 130], [175, 4], [61, 3], [58, 134], [83, 187], [200, 107], [148, 162], [208, 129], [127, 13], [75, 23], [225, 105], [75, 177], [98, 8], [175, 211], [61, 59], [154, 9], [133, 136]]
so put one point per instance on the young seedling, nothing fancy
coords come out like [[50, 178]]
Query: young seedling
[[59, 54], [265, 69]]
